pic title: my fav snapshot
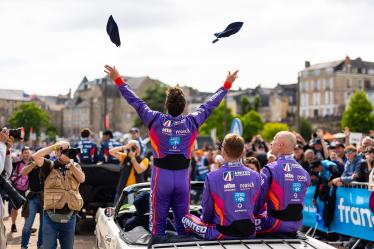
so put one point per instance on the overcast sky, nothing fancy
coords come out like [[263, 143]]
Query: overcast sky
[[47, 47]]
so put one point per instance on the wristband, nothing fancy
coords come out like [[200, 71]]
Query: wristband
[[54, 147], [227, 85], [119, 81]]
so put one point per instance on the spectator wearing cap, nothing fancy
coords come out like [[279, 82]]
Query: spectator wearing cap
[[352, 168], [107, 143], [135, 135], [339, 150]]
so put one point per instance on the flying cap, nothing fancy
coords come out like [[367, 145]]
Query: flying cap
[[112, 30], [230, 30]]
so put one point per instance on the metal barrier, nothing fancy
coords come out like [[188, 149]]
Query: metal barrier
[[361, 185]]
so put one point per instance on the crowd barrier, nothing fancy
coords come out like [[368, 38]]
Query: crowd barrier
[[352, 217]]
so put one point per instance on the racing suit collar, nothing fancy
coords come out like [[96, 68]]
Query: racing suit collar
[[232, 164], [285, 157], [177, 118]]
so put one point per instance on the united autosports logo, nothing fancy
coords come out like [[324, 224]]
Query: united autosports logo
[[168, 123], [228, 176], [287, 167]]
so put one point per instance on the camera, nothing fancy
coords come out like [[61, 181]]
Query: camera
[[16, 133], [133, 148], [15, 198], [71, 153]]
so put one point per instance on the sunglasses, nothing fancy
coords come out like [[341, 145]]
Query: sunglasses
[[349, 152], [368, 151]]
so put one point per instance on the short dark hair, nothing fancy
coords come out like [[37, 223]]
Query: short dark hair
[[85, 132], [108, 133], [25, 148], [252, 160], [175, 101], [233, 145]]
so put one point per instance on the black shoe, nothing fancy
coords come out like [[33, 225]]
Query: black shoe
[[14, 228]]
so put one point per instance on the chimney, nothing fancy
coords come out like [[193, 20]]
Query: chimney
[[307, 64], [347, 60]]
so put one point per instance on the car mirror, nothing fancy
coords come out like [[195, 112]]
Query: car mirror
[[109, 212]]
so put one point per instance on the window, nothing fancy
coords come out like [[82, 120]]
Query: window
[[305, 73], [316, 85], [316, 98], [328, 85], [304, 113], [327, 98], [329, 70], [304, 99], [317, 72], [349, 83], [360, 84]]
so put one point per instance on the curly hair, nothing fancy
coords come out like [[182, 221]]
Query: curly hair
[[175, 101]]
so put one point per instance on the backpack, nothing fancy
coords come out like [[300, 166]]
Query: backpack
[[19, 181]]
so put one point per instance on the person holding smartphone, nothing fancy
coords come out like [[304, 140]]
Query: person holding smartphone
[[132, 165]]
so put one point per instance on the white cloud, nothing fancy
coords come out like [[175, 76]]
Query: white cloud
[[47, 47]]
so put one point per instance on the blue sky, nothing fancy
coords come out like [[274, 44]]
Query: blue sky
[[47, 47]]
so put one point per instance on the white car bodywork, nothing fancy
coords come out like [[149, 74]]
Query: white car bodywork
[[109, 235]]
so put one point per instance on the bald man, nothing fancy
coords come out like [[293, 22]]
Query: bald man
[[284, 184]]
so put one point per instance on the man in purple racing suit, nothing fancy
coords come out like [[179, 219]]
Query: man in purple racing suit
[[229, 197], [284, 185], [172, 137]]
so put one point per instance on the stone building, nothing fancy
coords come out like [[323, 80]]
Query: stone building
[[94, 100]]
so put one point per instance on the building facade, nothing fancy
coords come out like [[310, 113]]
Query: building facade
[[98, 105], [325, 88]]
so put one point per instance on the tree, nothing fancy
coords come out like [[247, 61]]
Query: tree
[[215, 120], [257, 102], [252, 124], [358, 115], [28, 116], [271, 129], [305, 128], [245, 105], [155, 98]]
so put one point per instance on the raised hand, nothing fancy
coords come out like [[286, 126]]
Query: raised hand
[[231, 77], [112, 72]]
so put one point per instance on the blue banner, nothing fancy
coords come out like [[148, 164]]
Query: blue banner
[[236, 127], [352, 216]]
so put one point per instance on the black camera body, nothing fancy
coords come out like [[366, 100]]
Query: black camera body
[[71, 153], [16, 133], [15, 198]]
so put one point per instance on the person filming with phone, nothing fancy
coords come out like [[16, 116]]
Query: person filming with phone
[[62, 199]]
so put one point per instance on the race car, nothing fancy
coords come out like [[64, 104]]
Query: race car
[[111, 222]]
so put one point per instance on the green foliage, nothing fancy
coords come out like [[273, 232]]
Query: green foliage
[[215, 120], [270, 129], [245, 105], [252, 124], [29, 115], [305, 128], [51, 133], [257, 102], [155, 99], [358, 115]]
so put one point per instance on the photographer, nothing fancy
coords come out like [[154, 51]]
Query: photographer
[[62, 199], [6, 143], [132, 165]]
